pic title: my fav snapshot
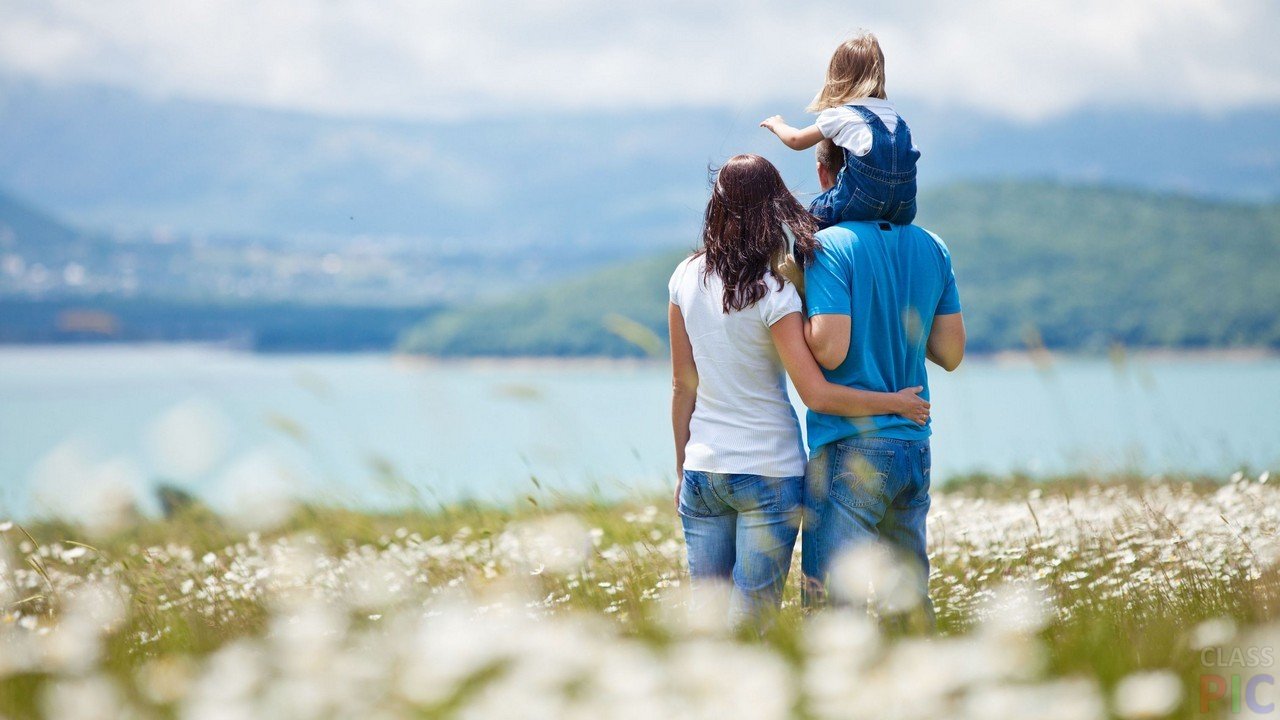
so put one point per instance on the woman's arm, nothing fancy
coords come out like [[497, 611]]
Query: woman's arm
[[829, 398], [794, 138], [684, 387]]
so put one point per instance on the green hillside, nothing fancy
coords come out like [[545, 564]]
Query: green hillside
[[573, 318], [1079, 268], [26, 228]]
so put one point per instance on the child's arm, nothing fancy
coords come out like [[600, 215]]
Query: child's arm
[[793, 138]]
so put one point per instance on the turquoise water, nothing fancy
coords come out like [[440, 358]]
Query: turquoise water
[[366, 428]]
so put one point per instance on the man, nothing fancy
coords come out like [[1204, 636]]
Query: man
[[881, 299]]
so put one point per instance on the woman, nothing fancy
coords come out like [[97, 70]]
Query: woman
[[735, 325]]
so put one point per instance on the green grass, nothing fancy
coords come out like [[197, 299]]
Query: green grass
[[1104, 578]]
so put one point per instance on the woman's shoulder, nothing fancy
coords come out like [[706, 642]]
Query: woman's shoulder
[[690, 266], [781, 299], [693, 262]]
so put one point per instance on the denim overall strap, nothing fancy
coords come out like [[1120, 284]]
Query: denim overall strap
[[905, 154], [886, 146]]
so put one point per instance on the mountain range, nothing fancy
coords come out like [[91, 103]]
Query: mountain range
[[1103, 226], [1078, 268], [618, 184]]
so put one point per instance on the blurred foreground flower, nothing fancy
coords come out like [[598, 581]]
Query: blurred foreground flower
[[384, 616], [1148, 695], [188, 439], [1016, 608], [556, 543], [71, 483], [876, 574], [1212, 633], [258, 491]]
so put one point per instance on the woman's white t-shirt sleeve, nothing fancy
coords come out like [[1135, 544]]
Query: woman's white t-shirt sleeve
[[673, 285], [779, 303]]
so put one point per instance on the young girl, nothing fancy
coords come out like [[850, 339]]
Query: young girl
[[878, 181], [735, 325]]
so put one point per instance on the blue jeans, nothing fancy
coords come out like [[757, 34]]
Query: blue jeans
[[862, 490], [741, 529]]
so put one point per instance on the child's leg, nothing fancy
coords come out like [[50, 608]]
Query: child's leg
[[904, 214], [824, 210], [866, 202]]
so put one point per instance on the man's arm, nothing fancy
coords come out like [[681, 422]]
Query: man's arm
[[946, 341], [829, 299], [827, 336]]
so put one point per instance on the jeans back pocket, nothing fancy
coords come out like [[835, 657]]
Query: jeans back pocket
[[691, 489], [860, 475], [866, 201]]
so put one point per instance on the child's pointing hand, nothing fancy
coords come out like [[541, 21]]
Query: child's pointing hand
[[772, 122]]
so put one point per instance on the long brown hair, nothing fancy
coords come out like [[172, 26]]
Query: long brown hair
[[856, 71], [743, 231]]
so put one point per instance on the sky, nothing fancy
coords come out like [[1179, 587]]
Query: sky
[[465, 59]]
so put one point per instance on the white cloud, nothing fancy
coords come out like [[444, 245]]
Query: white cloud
[[468, 57]]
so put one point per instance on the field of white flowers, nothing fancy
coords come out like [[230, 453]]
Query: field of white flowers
[[1071, 601]]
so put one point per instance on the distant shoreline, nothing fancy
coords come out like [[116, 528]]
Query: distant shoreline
[[1004, 357], [1242, 355]]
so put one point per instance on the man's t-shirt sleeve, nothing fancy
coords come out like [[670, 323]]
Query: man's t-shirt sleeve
[[949, 303], [826, 284]]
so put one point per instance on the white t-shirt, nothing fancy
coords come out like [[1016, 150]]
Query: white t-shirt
[[846, 128], [743, 421]]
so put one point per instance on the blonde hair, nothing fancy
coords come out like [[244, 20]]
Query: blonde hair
[[856, 70]]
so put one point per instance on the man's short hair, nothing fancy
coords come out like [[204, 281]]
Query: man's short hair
[[830, 156]]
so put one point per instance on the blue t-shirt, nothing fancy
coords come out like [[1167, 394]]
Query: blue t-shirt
[[891, 282]]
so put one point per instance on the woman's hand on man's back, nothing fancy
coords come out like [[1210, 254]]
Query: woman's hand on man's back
[[914, 407]]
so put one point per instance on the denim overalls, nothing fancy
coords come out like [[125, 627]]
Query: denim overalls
[[880, 185]]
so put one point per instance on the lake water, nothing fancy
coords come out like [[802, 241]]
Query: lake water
[[364, 428]]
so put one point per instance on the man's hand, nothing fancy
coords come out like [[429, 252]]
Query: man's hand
[[912, 406]]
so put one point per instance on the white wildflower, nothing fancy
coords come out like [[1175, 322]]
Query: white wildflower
[[187, 440], [557, 543], [167, 679], [875, 572], [72, 484], [259, 490], [1055, 700], [1148, 695], [1212, 633], [87, 698], [1016, 608]]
